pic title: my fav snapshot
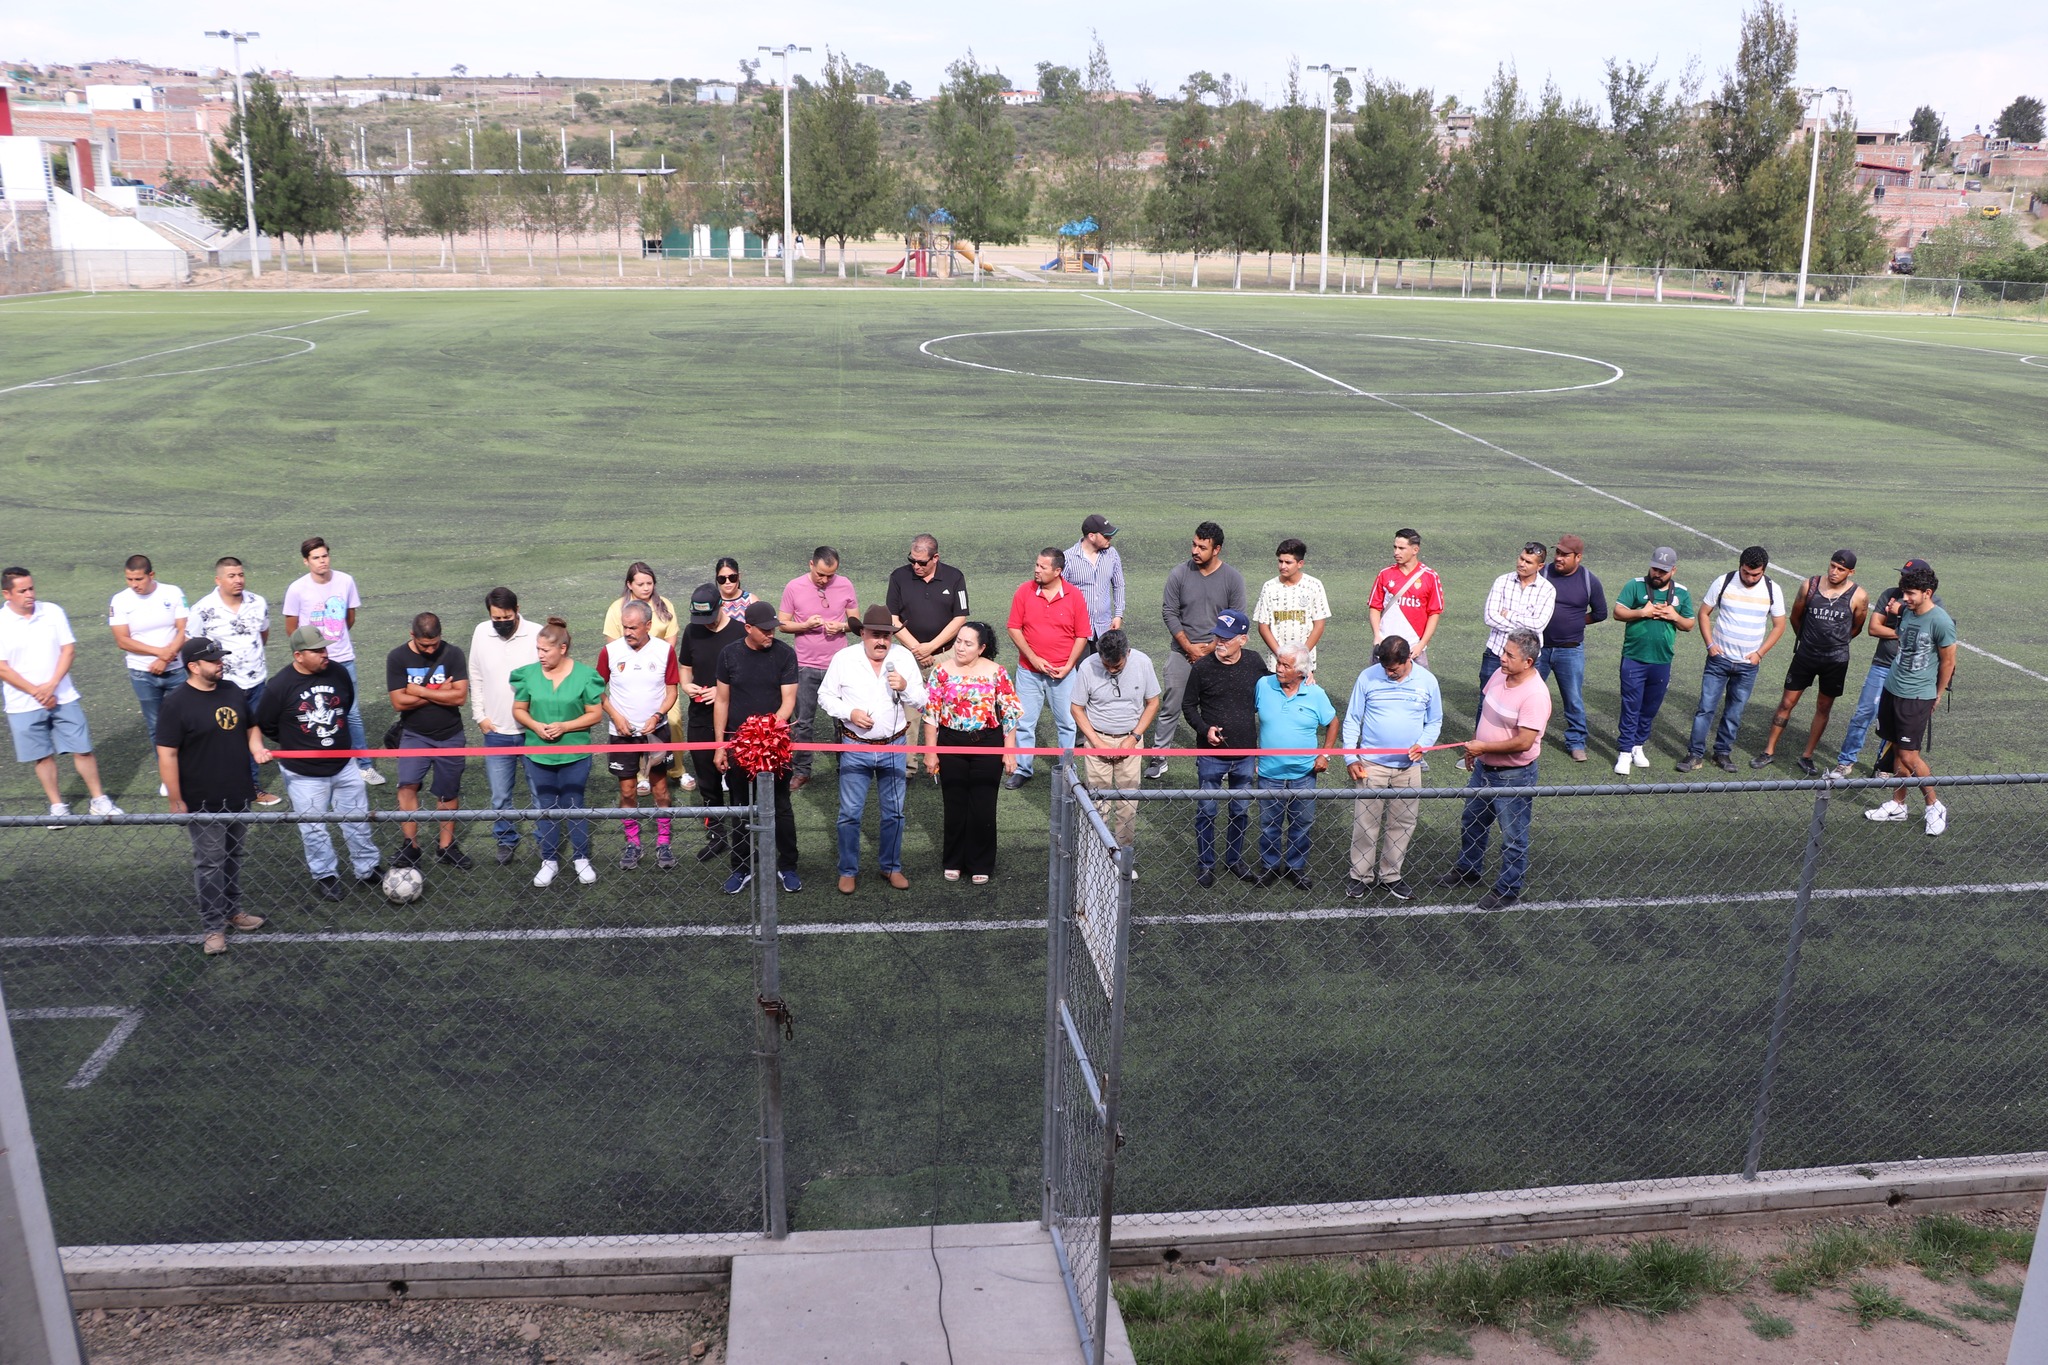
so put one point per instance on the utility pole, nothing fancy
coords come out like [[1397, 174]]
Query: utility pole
[[1329, 106], [248, 171], [1812, 183], [788, 227]]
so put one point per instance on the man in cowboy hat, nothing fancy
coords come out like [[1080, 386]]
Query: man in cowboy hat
[[875, 693]]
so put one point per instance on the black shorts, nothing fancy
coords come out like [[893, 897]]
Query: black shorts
[[1903, 720], [1800, 676], [417, 760], [628, 765]]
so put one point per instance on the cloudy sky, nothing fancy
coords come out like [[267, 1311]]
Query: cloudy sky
[[1892, 55]]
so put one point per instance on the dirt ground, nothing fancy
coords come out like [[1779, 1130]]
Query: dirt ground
[[414, 1333]]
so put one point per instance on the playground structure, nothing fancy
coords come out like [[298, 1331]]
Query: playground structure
[[1075, 255], [931, 251]]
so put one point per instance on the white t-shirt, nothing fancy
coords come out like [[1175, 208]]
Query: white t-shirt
[[30, 645], [327, 606], [637, 679], [1292, 610], [151, 620], [239, 633], [1742, 616]]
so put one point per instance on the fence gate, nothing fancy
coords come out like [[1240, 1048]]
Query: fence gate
[[1090, 932]]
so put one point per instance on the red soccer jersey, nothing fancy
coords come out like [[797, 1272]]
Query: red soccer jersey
[[1050, 627], [1423, 599]]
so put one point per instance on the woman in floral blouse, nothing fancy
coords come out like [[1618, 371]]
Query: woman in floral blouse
[[971, 704], [733, 599]]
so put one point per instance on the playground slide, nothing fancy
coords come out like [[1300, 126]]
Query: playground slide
[[968, 256], [896, 267]]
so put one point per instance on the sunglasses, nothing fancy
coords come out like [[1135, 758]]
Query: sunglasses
[[918, 563], [728, 578]]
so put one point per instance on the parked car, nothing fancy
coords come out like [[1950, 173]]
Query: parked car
[[1902, 263]]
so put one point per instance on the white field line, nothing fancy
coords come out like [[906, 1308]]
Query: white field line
[[71, 376], [994, 926], [130, 1019], [2024, 357], [1524, 459]]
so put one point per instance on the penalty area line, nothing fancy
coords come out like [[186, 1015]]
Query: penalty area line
[[71, 376], [129, 1017]]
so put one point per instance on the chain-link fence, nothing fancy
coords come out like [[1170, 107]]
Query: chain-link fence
[[1686, 981], [491, 1059]]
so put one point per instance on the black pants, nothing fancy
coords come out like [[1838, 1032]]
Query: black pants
[[710, 781], [970, 782], [739, 791], [217, 872]]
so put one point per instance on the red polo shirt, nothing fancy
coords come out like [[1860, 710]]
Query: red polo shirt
[[1052, 625]]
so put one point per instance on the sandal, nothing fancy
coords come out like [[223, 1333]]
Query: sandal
[[952, 874], [981, 879]]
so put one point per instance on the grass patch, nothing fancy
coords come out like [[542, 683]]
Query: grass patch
[[2002, 1302], [1826, 1256], [1943, 1245], [1388, 1312], [1871, 1304], [1765, 1324]]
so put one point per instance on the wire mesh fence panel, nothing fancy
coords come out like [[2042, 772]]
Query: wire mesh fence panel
[[1327, 1022], [486, 1059]]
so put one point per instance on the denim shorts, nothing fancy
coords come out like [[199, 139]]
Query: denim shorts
[[412, 767], [45, 733]]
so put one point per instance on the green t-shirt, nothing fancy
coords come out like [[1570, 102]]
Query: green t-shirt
[[1652, 642], [551, 704], [1916, 673]]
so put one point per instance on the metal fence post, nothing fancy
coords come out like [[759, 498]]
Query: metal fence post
[[1059, 872], [1112, 1090], [1786, 978], [772, 1015], [36, 1323]]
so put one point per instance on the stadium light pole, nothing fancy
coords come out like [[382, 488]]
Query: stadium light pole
[[788, 228], [1329, 79], [248, 172], [1812, 183]]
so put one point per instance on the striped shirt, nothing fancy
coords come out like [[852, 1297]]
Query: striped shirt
[[1742, 615], [1513, 605]]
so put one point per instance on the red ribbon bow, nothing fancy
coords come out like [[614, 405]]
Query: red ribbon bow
[[762, 745]]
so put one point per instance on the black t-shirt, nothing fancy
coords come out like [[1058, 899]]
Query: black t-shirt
[[307, 711], [210, 731], [924, 608], [434, 720], [1225, 695], [754, 680], [697, 649]]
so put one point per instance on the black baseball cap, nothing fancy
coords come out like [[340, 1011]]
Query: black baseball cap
[[1097, 524], [1845, 558], [761, 616], [200, 648], [704, 602], [1914, 564]]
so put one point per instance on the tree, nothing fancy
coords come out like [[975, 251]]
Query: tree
[[1964, 245], [1293, 144], [901, 91], [2021, 120], [975, 149], [870, 80], [1244, 189], [388, 208], [1180, 211], [441, 204], [1383, 171], [1057, 84], [1759, 110], [1926, 128], [587, 102], [839, 163], [1096, 139], [766, 150], [1653, 173], [1341, 94], [299, 189]]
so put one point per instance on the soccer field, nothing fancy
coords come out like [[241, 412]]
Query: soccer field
[[445, 443]]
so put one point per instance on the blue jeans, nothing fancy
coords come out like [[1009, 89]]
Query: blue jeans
[[358, 736], [1290, 812], [255, 700], [1724, 679], [559, 786], [1866, 713], [504, 776], [1570, 667], [1512, 813], [880, 766], [1238, 774], [1489, 664], [1642, 692], [344, 794], [152, 688], [1036, 692]]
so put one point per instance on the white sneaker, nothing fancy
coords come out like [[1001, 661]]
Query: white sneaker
[[643, 786], [585, 873], [689, 782], [372, 778], [162, 790], [104, 805], [1937, 818], [59, 808], [547, 872], [1638, 757], [1622, 766], [1890, 810]]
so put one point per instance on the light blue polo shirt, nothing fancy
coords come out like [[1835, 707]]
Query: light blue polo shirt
[[1295, 722]]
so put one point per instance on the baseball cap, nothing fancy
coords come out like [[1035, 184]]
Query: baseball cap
[[1845, 558], [1664, 557], [198, 648], [1095, 523], [308, 637], [1231, 623], [761, 616], [1915, 564], [704, 602], [1571, 544]]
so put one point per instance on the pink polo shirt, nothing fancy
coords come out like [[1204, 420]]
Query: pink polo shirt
[[1506, 711], [801, 600]]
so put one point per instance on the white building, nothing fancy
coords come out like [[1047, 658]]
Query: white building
[[106, 98]]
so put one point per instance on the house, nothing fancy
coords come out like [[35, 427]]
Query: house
[[711, 92], [1020, 97]]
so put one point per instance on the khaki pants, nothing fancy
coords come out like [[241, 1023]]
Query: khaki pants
[[1393, 819], [1122, 774]]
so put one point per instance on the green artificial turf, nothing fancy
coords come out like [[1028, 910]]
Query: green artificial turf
[[446, 443]]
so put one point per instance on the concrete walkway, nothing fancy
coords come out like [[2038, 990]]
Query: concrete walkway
[[874, 1298]]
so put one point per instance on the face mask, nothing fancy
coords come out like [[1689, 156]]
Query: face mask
[[505, 629]]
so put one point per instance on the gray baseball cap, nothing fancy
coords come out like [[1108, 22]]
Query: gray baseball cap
[[1664, 557]]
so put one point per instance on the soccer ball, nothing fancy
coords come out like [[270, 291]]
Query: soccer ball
[[403, 885]]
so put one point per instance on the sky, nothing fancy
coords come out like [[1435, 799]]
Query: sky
[[1886, 52]]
